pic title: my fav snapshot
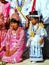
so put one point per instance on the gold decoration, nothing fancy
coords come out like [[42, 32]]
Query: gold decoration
[[18, 8], [32, 34], [30, 30], [41, 25]]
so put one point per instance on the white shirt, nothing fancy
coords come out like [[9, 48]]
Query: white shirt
[[42, 6]]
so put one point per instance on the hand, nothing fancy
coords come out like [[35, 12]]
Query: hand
[[27, 17], [13, 51], [27, 23], [41, 41], [7, 53], [1, 49]]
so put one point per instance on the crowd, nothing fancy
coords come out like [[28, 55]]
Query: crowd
[[24, 31]]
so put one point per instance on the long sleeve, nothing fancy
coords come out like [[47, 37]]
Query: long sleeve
[[21, 41], [28, 41]]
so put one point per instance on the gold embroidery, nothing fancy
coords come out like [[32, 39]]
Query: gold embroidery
[[31, 34], [41, 25]]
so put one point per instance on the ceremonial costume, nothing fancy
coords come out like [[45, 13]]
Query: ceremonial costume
[[36, 33], [15, 40]]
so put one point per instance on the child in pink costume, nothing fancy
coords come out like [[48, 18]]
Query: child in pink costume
[[15, 43]]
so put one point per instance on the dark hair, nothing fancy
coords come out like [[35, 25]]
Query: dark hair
[[14, 21]]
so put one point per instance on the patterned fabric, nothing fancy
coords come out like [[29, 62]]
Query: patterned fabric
[[5, 8], [15, 40], [2, 41]]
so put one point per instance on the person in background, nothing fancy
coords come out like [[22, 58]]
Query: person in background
[[16, 16], [3, 32], [5, 9], [12, 6]]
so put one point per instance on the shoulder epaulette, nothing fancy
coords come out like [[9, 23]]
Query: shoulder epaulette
[[41, 25]]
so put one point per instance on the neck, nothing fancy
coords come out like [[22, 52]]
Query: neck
[[14, 31], [34, 24]]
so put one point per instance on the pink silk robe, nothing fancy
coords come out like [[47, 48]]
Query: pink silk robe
[[15, 40], [5, 9], [2, 41]]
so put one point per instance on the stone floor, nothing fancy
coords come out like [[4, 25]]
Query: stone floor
[[27, 62]]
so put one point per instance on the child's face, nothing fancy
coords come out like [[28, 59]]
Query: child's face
[[14, 26], [34, 20]]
